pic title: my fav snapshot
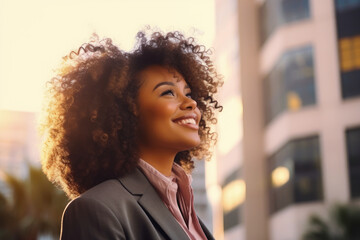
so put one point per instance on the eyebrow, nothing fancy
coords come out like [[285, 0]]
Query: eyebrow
[[167, 83]]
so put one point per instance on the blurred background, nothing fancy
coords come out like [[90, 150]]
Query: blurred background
[[287, 162]]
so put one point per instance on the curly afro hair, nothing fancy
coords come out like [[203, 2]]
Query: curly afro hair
[[89, 126]]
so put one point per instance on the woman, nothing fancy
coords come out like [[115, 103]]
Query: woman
[[120, 133]]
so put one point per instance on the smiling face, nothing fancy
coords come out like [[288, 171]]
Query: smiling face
[[168, 117]]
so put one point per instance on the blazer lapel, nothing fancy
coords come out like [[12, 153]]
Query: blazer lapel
[[208, 234], [137, 184]]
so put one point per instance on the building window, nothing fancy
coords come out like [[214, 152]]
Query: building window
[[275, 13], [348, 33], [290, 84], [343, 5], [233, 197], [295, 174], [353, 153]]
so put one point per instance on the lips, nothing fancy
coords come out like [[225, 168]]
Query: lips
[[189, 120], [186, 121]]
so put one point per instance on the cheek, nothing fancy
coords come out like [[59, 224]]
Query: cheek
[[157, 114]]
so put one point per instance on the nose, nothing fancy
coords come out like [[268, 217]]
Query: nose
[[188, 103]]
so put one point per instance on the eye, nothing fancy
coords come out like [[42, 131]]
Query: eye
[[189, 95], [168, 92]]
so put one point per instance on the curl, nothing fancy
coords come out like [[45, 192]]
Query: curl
[[89, 126]]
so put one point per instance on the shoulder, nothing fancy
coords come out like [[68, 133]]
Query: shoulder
[[104, 190], [91, 217], [101, 198], [114, 194], [111, 194], [98, 213]]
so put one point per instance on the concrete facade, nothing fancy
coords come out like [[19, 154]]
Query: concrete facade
[[19, 144], [328, 118]]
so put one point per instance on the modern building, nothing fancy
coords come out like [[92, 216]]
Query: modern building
[[289, 137], [19, 144], [201, 201]]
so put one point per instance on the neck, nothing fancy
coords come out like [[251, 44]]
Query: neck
[[160, 160]]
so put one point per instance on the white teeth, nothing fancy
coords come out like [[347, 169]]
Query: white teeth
[[187, 121]]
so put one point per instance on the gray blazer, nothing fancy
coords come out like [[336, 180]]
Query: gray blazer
[[124, 208]]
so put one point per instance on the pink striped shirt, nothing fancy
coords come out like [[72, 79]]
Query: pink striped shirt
[[176, 193]]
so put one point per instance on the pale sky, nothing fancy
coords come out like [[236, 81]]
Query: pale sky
[[36, 34]]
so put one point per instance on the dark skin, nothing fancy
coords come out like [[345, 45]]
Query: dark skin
[[90, 131], [168, 117]]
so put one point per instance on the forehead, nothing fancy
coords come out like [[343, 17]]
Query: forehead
[[155, 74]]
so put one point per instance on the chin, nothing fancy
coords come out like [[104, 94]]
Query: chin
[[191, 143]]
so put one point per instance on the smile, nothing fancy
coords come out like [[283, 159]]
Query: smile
[[187, 122]]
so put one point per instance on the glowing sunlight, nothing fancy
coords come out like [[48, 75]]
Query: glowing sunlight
[[35, 36]]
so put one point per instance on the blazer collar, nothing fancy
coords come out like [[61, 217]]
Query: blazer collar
[[137, 184]]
